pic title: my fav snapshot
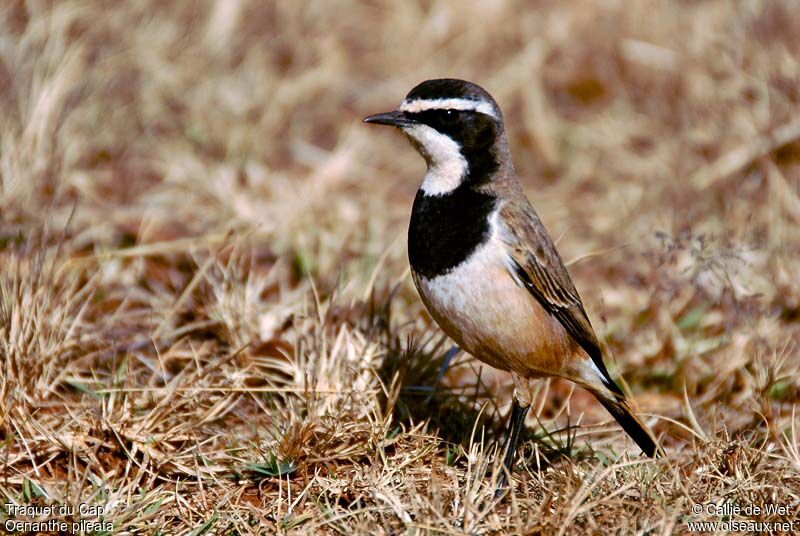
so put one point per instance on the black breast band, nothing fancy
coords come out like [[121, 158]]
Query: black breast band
[[446, 229]]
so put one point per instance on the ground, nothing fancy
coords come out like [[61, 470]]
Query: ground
[[207, 323]]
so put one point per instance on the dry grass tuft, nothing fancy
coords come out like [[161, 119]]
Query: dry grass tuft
[[206, 319]]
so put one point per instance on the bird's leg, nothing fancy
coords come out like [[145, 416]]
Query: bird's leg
[[516, 424], [523, 396]]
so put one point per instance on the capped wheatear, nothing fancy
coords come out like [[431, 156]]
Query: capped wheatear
[[483, 263]]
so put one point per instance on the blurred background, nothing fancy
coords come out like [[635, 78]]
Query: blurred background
[[188, 197]]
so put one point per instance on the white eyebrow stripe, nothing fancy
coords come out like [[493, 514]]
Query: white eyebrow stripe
[[420, 105]]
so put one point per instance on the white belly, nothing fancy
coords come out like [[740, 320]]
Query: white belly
[[481, 307]]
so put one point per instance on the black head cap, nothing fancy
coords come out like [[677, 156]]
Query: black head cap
[[449, 88]]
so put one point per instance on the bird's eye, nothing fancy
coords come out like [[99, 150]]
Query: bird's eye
[[449, 117]]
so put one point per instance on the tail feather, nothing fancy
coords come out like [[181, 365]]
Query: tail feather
[[620, 409]]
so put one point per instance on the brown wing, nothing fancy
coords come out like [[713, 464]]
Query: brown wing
[[538, 266]]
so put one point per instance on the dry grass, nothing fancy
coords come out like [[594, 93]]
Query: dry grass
[[206, 319]]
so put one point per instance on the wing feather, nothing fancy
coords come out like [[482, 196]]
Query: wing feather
[[538, 266]]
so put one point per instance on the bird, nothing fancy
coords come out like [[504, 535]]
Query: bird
[[483, 263]]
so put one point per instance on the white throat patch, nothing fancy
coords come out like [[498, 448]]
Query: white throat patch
[[421, 105], [447, 167]]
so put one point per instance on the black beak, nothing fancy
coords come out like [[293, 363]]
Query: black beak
[[395, 119]]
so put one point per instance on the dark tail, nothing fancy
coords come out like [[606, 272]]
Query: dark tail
[[620, 409]]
